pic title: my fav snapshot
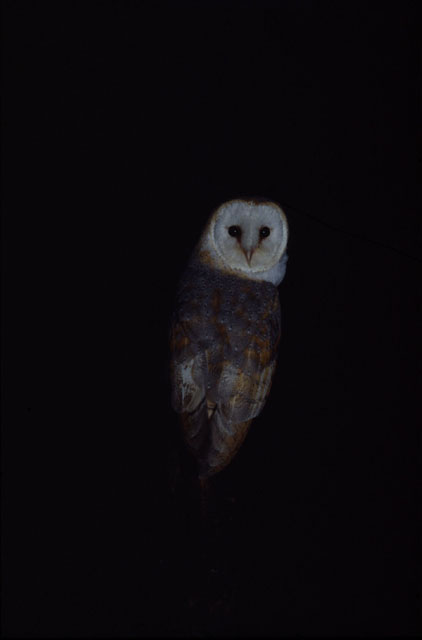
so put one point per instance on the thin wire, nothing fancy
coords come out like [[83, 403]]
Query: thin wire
[[353, 234]]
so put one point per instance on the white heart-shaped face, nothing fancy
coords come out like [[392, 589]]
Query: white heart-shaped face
[[249, 237]]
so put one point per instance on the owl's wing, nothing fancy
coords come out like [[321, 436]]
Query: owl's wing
[[245, 378], [220, 386], [188, 369], [188, 363]]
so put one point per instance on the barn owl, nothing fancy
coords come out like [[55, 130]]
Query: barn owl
[[226, 328]]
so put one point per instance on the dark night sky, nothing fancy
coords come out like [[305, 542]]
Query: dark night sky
[[124, 125]]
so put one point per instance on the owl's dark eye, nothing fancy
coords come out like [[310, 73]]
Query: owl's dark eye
[[235, 231], [264, 232]]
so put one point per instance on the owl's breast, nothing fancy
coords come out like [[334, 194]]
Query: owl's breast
[[229, 318]]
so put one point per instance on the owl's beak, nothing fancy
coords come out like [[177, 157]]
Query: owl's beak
[[248, 254]]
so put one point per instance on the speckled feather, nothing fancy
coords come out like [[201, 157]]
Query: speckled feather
[[224, 340]]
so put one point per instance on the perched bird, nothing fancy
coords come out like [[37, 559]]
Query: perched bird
[[226, 328]]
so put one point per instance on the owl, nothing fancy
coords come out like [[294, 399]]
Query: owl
[[225, 328]]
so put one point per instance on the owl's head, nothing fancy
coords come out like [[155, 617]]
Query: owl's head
[[249, 238]]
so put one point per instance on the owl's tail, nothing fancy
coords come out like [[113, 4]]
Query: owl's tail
[[196, 428], [212, 440], [223, 443]]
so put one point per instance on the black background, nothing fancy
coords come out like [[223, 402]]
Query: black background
[[124, 125]]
